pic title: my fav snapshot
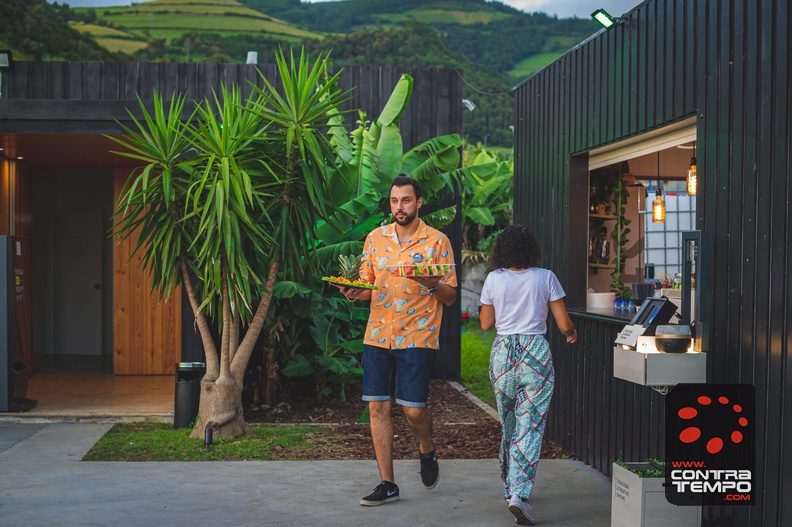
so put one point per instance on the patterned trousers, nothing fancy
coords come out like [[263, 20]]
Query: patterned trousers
[[522, 376]]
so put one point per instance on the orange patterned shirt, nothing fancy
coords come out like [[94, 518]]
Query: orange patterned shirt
[[403, 313]]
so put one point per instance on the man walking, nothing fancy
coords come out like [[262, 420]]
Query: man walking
[[403, 331]]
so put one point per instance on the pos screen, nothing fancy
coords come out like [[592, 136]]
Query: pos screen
[[654, 312]]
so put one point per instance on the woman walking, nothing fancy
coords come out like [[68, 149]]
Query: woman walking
[[515, 299]]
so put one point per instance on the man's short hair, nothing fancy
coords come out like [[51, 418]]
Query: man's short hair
[[403, 180]]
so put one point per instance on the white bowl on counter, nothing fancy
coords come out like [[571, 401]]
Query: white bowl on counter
[[600, 300]]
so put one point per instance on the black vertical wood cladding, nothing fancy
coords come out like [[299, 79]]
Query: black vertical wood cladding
[[435, 109], [726, 62]]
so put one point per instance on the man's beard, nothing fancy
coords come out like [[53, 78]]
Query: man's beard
[[408, 218]]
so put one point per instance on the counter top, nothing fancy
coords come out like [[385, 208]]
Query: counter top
[[603, 315]]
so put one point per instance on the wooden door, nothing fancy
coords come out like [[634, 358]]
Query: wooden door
[[146, 330]]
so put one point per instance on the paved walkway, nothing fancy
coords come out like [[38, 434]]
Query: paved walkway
[[43, 482]]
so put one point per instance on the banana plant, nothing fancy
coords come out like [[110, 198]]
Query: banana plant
[[486, 203], [368, 158]]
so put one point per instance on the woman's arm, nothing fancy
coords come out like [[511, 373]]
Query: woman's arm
[[487, 316], [563, 321]]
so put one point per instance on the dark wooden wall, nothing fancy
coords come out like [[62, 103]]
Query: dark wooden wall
[[726, 63], [88, 98], [15, 185]]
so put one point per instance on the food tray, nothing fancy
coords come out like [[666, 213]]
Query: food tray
[[408, 270], [353, 285]]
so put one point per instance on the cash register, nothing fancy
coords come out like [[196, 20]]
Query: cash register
[[652, 313]]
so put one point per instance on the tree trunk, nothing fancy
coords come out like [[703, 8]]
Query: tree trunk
[[220, 407], [270, 377], [221, 410]]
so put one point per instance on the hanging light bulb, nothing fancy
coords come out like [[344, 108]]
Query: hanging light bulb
[[658, 206], [692, 179]]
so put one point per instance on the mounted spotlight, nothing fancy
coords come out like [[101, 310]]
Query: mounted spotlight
[[470, 105], [604, 18]]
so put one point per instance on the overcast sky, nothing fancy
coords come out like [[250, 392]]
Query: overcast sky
[[562, 8]]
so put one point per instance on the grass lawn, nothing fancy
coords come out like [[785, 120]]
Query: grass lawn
[[476, 346], [160, 442]]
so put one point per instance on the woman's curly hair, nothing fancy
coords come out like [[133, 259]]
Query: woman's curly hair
[[516, 246]]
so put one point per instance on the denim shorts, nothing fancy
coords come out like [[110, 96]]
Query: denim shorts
[[400, 374]]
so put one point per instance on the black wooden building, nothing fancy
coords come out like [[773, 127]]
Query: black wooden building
[[722, 68], [57, 171]]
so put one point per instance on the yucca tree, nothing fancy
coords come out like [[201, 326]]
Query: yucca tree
[[232, 195]]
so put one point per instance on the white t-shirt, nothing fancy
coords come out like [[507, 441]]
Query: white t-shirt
[[520, 299]]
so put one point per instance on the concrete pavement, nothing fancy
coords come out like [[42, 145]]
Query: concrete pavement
[[43, 482]]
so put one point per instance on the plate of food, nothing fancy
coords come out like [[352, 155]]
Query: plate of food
[[349, 267], [343, 282], [410, 270]]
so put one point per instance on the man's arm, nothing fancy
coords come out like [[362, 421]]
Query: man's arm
[[445, 294], [442, 292]]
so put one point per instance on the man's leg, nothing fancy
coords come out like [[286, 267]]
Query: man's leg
[[378, 387], [420, 420], [382, 436], [414, 367]]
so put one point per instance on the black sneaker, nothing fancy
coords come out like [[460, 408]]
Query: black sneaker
[[385, 492], [430, 471]]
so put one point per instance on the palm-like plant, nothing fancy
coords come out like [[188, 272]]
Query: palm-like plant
[[231, 195]]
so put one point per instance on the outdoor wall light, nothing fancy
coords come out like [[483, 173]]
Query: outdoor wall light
[[692, 178], [604, 18]]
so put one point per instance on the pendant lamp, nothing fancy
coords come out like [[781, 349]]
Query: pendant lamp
[[692, 178], [658, 205]]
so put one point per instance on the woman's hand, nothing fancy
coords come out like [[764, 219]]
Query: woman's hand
[[558, 309]]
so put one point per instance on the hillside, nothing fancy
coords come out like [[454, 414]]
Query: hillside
[[36, 30], [494, 35], [173, 29]]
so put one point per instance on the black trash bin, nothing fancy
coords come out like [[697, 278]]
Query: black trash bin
[[188, 393]]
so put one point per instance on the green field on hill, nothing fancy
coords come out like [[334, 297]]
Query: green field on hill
[[128, 29], [530, 65], [442, 16]]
